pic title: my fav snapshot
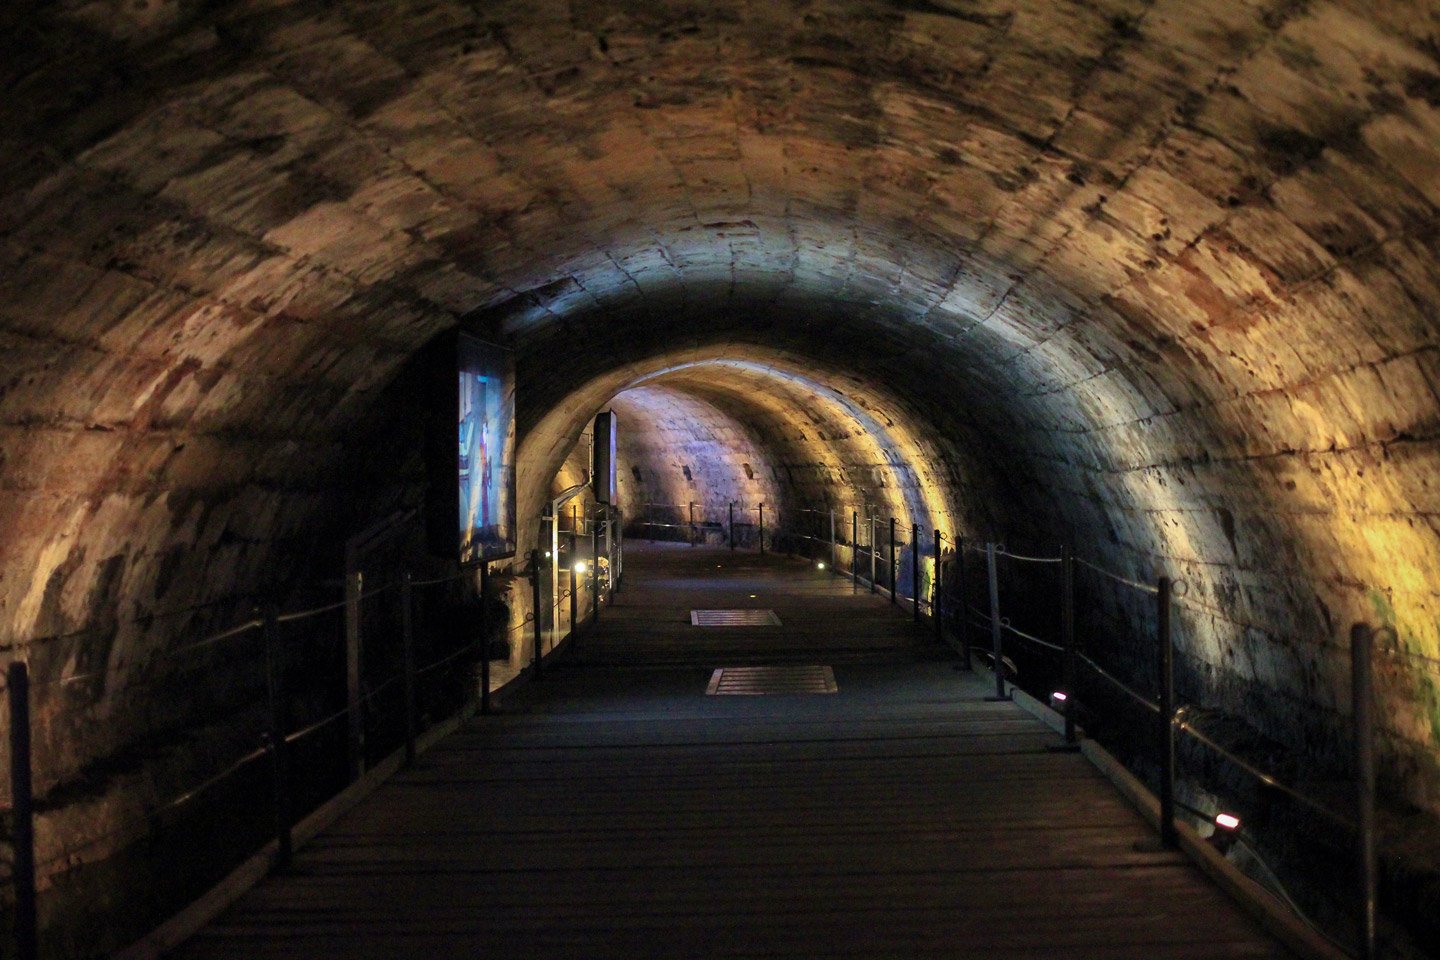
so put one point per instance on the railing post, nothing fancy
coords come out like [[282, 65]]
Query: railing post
[[894, 565], [22, 798], [1362, 693], [354, 587], [915, 569], [834, 548], [536, 602], [963, 621], [762, 529], [595, 573], [937, 604], [617, 549], [873, 568], [407, 650], [732, 525], [1067, 637], [275, 737], [855, 548], [692, 523], [996, 641], [1169, 837], [574, 585], [485, 638]]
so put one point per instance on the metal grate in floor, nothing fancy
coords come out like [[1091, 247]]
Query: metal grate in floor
[[734, 618], [754, 681]]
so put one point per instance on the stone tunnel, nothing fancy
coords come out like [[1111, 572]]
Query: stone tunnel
[[1154, 279]]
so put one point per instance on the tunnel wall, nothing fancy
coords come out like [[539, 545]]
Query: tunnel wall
[[675, 449], [1162, 275]]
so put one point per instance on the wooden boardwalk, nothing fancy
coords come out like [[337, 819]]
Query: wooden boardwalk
[[615, 810]]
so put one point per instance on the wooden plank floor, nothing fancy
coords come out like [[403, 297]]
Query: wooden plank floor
[[614, 810]]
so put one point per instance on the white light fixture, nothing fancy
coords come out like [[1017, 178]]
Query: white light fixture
[[821, 565], [580, 566], [1227, 821]]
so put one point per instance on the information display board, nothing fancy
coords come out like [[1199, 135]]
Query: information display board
[[485, 466]]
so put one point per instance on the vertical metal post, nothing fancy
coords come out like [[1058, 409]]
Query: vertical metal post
[[692, 523], [873, 567], [1362, 693], [617, 557], [1067, 636], [552, 610], [536, 601], [354, 588], [407, 651], [22, 798], [834, 548], [595, 571], [275, 737], [612, 569], [963, 620], [855, 548], [1169, 837], [894, 566], [574, 583], [484, 638], [996, 641], [732, 525], [915, 569], [936, 603], [762, 529]]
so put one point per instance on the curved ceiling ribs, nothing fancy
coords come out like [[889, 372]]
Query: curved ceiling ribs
[[1155, 274]]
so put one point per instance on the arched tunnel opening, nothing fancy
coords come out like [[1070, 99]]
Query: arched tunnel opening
[[1153, 282]]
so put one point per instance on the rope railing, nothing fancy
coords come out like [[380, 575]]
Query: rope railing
[[1266, 778], [131, 827], [871, 545], [1172, 721], [1119, 684], [363, 709], [1147, 588], [1017, 556], [291, 738]]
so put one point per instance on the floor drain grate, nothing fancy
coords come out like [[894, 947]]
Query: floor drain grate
[[754, 681], [734, 618]]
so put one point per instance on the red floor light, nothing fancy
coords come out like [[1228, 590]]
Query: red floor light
[[1227, 821], [1060, 696]]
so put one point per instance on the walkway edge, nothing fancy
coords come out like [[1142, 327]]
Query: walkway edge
[[1277, 919], [191, 918]]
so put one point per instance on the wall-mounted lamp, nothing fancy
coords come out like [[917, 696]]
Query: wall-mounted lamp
[[580, 566]]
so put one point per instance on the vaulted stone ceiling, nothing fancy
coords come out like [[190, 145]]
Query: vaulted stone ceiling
[[1161, 273]]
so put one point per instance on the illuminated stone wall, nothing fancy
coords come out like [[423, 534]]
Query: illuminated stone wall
[[1162, 277]]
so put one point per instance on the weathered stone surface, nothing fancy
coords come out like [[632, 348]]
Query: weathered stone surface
[[1159, 277]]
